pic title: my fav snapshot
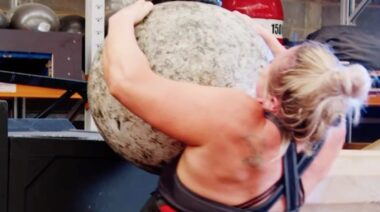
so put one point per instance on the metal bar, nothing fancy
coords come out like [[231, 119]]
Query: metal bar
[[66, 96], [349, 129], [344, 9], [359, 9], [95, 19], [22, 55], [351, 7], [75, 109], [23, 110], [79, 86], [15, 107], [4, 156], [13, 3]]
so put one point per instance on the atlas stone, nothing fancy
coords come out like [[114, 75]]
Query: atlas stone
[[184, 41]]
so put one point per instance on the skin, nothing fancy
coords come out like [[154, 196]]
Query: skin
[[218, 147]]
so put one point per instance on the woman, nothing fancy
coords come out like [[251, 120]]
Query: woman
[[235, 143]]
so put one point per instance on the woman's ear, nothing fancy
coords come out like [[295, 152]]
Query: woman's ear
[[274, 104], [260, 100]]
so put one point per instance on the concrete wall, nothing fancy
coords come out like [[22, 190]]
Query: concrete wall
[[368, 20], [303, 17]]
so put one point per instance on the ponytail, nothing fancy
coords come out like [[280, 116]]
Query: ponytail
[[317, 92]]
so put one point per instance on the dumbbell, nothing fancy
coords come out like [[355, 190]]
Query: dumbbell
[[72, 24]]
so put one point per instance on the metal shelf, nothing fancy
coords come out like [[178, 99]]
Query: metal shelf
[[350, 11]]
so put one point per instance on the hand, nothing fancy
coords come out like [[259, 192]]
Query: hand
[[135, 13]]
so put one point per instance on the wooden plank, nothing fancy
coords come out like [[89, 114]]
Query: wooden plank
[[373, 146], [352, 183]]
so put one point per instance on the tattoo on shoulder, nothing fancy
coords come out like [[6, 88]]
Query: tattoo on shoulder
[[255, 158]]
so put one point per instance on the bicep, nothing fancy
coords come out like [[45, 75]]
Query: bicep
[[187, 112]]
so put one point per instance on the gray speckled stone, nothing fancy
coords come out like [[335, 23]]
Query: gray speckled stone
[[185, 41]]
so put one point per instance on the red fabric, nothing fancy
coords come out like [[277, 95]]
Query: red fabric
[[166, 208], [269, 9], [260, 9]]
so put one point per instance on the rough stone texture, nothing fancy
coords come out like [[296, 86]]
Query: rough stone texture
[[184, 41]]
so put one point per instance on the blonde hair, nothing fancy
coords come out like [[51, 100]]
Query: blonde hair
[[315, 92]]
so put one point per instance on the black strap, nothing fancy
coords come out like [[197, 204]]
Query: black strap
[[291, 179], [302, 163]]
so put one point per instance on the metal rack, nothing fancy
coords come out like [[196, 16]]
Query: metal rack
[[70, 86], [95, 19], [349, 11]]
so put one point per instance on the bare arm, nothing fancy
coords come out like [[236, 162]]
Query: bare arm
[[191, 113], [319, 168], [324, 160]]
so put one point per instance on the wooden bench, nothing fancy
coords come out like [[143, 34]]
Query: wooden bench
[[353, 183]]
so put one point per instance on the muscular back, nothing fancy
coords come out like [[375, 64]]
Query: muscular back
[[232, 171], [221, 172]]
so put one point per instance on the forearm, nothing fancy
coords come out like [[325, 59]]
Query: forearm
[[326, 157], [273, 44]]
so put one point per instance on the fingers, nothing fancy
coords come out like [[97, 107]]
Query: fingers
[[140, 7], [135, 12], [144, 10]]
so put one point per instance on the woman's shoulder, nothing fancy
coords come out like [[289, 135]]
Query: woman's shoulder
[[232, 114]]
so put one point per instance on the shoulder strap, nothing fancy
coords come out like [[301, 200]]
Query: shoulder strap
[[301, 165], [291, 179]]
